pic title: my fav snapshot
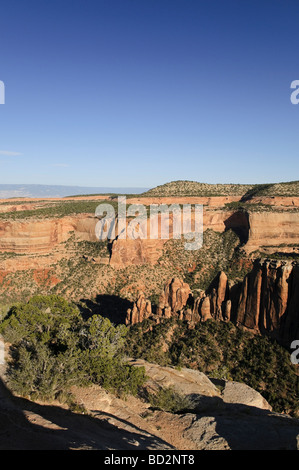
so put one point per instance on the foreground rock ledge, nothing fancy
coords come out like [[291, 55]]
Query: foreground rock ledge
[[111, 423]]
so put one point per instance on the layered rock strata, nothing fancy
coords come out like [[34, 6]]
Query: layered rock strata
[[267, 231]]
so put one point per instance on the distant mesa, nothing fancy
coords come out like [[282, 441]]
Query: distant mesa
[[244, 192], [44, 191]]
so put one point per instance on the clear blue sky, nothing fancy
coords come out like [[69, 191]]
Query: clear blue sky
[[142, 92]]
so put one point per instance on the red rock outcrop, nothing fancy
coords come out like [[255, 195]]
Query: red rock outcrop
[[209, 201], [141, 310], [174, 302], [267, 301], [175, 296], [203, 307]]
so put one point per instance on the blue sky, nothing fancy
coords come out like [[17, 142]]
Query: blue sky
[[142, 92]]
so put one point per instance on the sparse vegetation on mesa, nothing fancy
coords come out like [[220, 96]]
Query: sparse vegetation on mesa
[[194, 188], [245, 191], [287, 189], [60, 209]]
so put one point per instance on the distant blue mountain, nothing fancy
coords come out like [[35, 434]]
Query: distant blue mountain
[[44, 191]]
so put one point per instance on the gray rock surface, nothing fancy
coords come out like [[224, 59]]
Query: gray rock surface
[[239, 393], [243, 429], [192, 384]]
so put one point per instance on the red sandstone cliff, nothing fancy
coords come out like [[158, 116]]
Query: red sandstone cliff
[[41, 236], [267, 231]]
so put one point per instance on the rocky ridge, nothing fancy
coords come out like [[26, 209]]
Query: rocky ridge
[[266, 301]]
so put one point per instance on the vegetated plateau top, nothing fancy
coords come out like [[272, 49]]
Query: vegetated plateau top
[[245, 191]]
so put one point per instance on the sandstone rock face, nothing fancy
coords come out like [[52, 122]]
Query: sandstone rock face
[[22, 237], [203, 307], [272, 229], [214, 201], [41, 236], [285, 201], [268, 230], [135, 252], [264, 229], [143, 250]]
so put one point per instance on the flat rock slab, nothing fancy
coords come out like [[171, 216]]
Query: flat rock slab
[[242, 429], [239, 393], [185, 381], [192, 384]]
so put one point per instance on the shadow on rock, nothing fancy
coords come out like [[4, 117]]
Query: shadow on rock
[[108, 306], [242, 427], [25, 425]]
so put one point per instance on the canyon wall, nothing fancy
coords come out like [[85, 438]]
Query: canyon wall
[[267, 231], [41, 236], [270, 230]]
